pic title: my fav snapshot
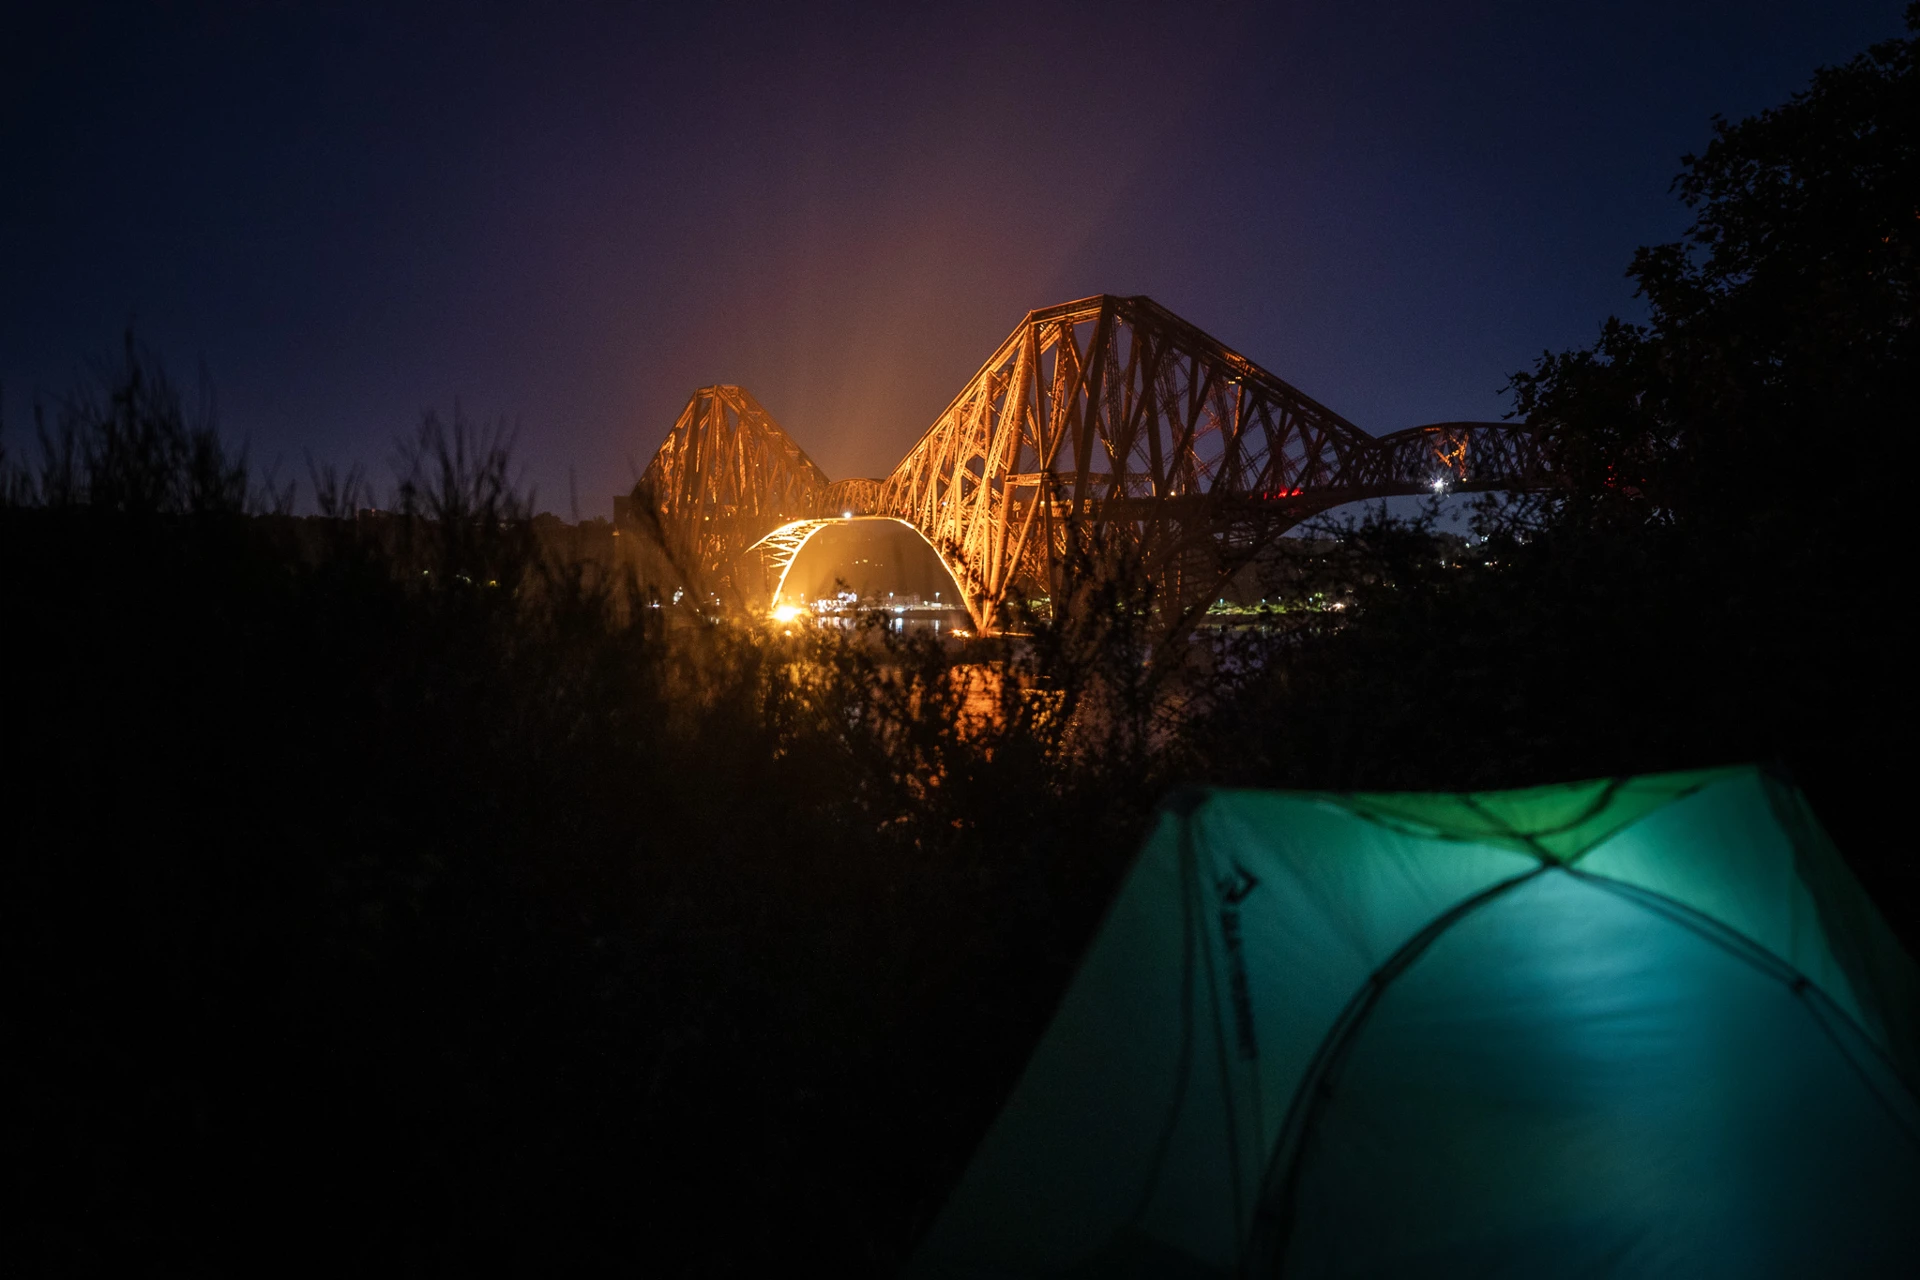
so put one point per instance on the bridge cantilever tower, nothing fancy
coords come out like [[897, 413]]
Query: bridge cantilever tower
[[1112, 416], [723, 477], [1110, 421]]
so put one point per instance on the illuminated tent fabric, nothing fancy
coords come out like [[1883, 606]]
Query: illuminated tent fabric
[[1619, 1028]]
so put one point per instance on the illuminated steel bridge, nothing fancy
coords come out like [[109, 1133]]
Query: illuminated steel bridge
[[1107, 422]]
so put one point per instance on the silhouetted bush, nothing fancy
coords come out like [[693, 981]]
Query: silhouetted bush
[[395, 889], [405, 890]]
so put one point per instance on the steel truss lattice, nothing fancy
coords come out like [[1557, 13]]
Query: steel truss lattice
[[724, 476], [1109, 421]]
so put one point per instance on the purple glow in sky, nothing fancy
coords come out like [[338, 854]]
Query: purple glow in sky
[[570, 216]]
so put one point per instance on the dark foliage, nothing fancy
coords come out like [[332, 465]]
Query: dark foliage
[[408, 891], [1774, 378], [389, 891], [1718, 576]]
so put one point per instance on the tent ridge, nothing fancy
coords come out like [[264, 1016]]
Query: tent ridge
[[1467, 817], [1531, 839]]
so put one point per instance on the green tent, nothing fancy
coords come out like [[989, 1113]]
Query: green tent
[[1622, 1028]]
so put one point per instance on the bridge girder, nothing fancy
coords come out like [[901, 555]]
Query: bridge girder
[[1109, 420], [1113, 417]]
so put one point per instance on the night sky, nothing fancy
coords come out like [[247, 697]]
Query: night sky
[[569, 215]]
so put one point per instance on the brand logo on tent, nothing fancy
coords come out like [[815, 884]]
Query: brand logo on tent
[[1235, 887], [1233, 890]]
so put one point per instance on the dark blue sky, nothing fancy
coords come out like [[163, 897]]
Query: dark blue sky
[[569, 216]]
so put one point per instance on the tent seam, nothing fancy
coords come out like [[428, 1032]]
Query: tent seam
[[1183, 1068], [1350, 803], [1308, 1095], [1803, 988], [1192, 869], [1531, 838]]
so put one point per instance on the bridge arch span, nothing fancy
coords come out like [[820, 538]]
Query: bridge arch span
[[873, 555]]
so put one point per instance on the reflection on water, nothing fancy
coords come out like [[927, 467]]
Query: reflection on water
[[900, 614]]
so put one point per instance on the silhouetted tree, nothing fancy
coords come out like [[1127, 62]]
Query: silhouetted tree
[[1715, 577], [1774, 377]]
